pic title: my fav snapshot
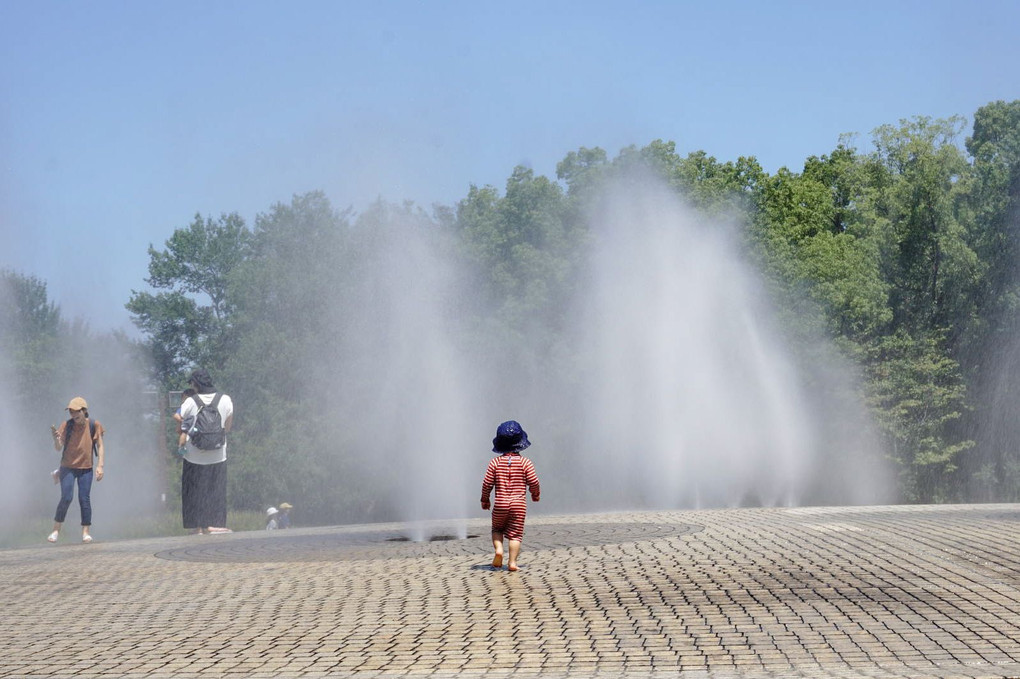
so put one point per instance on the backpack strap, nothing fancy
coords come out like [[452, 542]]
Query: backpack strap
[[68, 428], [201, 404], [212, 404]]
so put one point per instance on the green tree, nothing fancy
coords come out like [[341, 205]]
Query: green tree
[[917, 394], [30, 333], [523, 248], [993, 357], [189, 322], [878, 247], [934, 271], [712, 187], [283, 297], [582, 168], [995, 203], [814, 239]]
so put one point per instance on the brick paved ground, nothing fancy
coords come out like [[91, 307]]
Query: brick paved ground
[[813, 592]]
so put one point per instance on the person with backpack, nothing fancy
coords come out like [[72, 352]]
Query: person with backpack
[[79, 439], [204, 477]]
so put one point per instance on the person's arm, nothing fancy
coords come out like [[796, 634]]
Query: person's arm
[[531, 477], [228, 421], [487, 484], [185, 415], [100, 455], [58, 436]]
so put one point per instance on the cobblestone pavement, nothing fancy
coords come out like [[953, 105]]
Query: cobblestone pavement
[[912, 591]]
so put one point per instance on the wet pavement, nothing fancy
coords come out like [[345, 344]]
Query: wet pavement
[[906, 591]]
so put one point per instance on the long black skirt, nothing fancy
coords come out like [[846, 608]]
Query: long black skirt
[[204, 495]]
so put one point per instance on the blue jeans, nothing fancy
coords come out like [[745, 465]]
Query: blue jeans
[[67, 479]]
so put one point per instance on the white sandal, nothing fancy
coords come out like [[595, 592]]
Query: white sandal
[[53, 536], [86, 539]]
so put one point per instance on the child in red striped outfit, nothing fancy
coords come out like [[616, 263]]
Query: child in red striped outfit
[[512, 476]]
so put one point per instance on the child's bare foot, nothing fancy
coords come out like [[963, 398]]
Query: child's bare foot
[[497, 561], [513, 568]]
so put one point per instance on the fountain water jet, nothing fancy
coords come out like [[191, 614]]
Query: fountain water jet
[[687, 396], [671, 388], [407, 414]]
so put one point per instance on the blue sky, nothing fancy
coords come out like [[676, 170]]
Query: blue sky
[[121, 120]]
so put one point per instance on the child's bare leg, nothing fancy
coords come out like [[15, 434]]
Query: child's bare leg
[[497, 547], [515, 551]]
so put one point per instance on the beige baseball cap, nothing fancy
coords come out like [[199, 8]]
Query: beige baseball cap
[[77, 403]]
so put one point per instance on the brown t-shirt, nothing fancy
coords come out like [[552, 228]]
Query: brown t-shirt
[[78, 451]]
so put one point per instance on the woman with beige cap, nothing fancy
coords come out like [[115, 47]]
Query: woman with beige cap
[[79, 438]]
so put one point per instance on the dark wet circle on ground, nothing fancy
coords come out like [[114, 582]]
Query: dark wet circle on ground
[[359, 545]]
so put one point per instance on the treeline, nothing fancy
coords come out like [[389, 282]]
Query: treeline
[[904, 255]]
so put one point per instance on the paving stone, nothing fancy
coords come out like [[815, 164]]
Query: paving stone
[[918, 591]]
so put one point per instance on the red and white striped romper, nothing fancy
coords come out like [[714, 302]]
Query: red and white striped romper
[[512, 476]]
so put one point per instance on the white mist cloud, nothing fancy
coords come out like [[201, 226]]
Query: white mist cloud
[[20, 459], [676, 389], [104, 370], [688, 396], [405, 393]]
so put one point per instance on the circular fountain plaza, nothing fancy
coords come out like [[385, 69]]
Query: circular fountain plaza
[[878, 591]]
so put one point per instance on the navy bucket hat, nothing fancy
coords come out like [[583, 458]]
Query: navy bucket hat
[[510, 438]]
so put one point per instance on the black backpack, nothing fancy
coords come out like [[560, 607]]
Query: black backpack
[[208, 433], [92, 433]]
